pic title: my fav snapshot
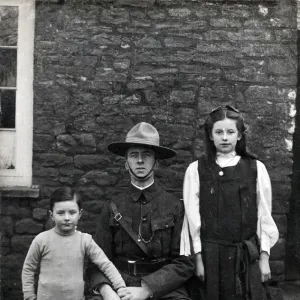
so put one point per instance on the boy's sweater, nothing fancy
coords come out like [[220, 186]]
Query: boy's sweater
[[58, 260]]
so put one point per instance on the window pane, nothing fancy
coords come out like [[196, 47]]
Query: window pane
[[8, 25], [7, 109], [7, 149], [8, 67]]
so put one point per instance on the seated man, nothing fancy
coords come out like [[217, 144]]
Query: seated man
[[140, 229]]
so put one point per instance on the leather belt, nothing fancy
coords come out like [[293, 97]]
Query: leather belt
[[246, 254], [139, 267]]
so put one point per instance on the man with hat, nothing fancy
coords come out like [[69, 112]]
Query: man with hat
[[140, 229]]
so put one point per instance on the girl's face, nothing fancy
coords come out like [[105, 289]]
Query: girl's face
[[66, 215], [225, 135]]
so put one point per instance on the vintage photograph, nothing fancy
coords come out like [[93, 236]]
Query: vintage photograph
[[149, 149]]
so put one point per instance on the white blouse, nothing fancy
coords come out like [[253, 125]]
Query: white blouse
[[267, 231]]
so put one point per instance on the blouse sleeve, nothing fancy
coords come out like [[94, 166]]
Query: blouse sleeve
[[266, 228], [192, 221]]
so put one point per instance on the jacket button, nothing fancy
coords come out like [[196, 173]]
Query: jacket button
[[167, 226], [144, 219], [144, 202]]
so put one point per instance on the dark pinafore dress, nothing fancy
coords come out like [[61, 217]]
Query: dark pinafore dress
[[230, 249]]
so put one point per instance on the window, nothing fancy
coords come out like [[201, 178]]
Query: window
[[16, 91]]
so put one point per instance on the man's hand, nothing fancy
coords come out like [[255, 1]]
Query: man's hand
[[135, 293], [199, 267], [264, 266], [108, 293]]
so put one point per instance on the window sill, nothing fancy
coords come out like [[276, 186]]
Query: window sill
[[20, 192]]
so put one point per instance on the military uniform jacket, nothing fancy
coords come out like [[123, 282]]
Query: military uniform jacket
[[158, 216]]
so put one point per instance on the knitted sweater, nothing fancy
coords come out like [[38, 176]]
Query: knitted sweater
[[59, 260]]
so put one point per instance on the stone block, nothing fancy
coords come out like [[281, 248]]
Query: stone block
[[140, 83], [21, 243], [52, 159], [6, 225], [281, 222], [16, 211], [278, 250], [282, 66], [182, 97], [43, 142], [65, 143], [104, 74], [4, 241], [40, 171], [115, 16], [70, 170], [40, 214], [277, 267], [44, 203], [148, 42], [11, 266], [91, 161], [247, 74], [121, 64], [94, 206], [133, 99], [179, 12], [179, 42], [77, 143], [47, 125], [28, 226], [225, 22], [100, 178]]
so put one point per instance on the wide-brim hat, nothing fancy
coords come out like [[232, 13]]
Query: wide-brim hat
[[142, 134]]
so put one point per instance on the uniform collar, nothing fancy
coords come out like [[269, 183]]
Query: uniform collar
[[149, 192]]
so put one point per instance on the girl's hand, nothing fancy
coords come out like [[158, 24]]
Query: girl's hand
[[264, 266], [199, 267], [108, 293]]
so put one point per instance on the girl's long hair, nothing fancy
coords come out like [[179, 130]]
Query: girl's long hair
[[219, 114]]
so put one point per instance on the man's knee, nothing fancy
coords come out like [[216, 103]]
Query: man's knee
[[179, 294]]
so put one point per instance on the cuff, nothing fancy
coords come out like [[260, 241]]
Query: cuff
[[144, 284], [197, 246], [265, 244]]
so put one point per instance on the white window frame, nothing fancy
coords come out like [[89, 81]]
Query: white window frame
[[22, 174]]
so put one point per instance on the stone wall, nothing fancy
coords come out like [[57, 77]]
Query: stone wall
[[103, 66]]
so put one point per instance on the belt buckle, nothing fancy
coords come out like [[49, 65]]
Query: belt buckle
[[132, 267], [118, 217]]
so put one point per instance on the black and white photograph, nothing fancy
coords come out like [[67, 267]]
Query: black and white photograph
[[149, 149]]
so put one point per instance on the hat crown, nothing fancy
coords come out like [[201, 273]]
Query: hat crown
[[143, 133]]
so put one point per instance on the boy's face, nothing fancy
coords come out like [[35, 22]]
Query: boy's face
[[66, 215], [225, 135]]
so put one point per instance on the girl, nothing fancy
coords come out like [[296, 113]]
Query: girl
[[57, 255], [227, 198]]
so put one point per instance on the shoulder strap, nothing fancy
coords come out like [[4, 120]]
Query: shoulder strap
[[118, 217]]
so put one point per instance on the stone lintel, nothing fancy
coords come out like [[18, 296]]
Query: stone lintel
[[20, 192]]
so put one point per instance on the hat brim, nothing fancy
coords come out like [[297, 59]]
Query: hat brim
[[121, 149]]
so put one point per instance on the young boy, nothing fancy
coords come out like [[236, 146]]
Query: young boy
[[57, 255]]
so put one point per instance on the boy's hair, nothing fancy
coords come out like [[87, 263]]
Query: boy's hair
[[219, 114], [65, 194]]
